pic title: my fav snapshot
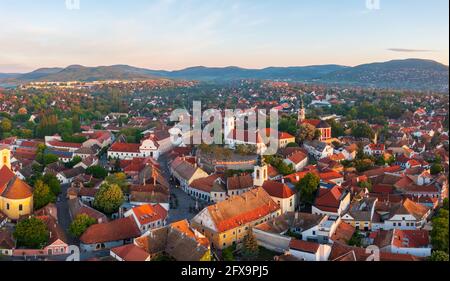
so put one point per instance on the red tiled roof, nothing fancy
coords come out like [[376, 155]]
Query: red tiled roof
[[304, 246], [116, 230], [12, 187], [278, 190], [130, 253], [417, 238], [125, 147], [148, 213], [329, 199], [297, 157]]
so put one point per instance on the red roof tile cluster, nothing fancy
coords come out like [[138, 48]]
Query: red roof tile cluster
[[116, 230], [131, 253], [329, 199], [12, 187], [278, 189], [125, 147], [146, 214], [304, 246]]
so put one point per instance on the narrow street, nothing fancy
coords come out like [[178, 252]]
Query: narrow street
[[184, 201], [64, 219]]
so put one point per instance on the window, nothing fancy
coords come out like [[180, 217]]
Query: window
[[224, 236], [7, 206], [20, 207]]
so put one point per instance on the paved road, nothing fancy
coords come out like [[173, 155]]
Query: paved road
[[64, 219], [185, 202]]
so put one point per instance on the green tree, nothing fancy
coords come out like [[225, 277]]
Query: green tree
[[53, 182], [365, 184], [439, 256], [97, 172], [445, 204], [250, 248], [436, 168], [227, 254], [42, 195], [120, 179], [77, 159], [50, 159], [363, 130], [306, 132], [6, 125], [356, 239], [439, 233], [109, 198], [31, 233], [80, 224], [307, 187]]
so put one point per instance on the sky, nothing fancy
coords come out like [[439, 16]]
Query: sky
[[174, 34]]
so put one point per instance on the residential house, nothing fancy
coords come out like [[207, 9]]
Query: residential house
[[148, 216], [413, 242], [109, 235], [285, 197], [333, 201], [178, 241], [226, 223], [309, 251]]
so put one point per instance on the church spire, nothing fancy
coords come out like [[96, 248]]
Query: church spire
[[301, 112]]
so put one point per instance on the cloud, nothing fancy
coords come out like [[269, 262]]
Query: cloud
[[402, 50]]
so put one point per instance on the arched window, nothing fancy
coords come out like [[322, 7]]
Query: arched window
[[257, 174]]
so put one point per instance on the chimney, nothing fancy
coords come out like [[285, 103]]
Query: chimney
[[282, 180]]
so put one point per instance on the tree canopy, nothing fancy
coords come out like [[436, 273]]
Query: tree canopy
[[308, 186], [109, 198], [31, 233]]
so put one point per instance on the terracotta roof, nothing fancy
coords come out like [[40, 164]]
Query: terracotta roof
[[119, 229], [278, 189], [130, 253], [204, 184], [12, 187], [329, 199], [343, 233], [242, 209], [240, 182], [341, 252], [410, 207], [125, 147], [297, 157], [304, 246], [146, 214], [417, 238]]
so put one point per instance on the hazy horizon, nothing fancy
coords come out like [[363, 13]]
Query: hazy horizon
[[193, 66], [177, 34]]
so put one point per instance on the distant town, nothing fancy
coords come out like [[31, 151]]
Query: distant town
[[89, 171]]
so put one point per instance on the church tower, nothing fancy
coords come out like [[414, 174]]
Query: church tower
[[301, 112], [260, 174], [5, 157]]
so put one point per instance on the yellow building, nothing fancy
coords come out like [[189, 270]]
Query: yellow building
[[16, 197], [228, 222]]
